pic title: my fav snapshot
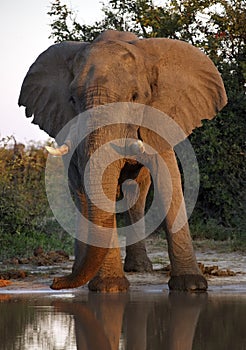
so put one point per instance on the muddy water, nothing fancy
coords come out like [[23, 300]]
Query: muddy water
[[145, 318]]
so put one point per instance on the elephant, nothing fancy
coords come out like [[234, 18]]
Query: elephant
[[168, 76]]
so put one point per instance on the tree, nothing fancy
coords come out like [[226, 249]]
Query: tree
[[65, 26]]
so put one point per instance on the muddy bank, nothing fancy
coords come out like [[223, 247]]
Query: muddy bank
[[222, 269]]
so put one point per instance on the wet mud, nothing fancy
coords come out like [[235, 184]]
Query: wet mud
[[222, 269]]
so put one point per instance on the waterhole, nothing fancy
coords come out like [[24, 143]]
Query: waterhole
[[149, 318]]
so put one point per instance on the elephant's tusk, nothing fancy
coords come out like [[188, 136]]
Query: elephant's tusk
[[58, 152], [137, 147]]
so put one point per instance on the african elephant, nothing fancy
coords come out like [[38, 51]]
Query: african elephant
[[165, 75]]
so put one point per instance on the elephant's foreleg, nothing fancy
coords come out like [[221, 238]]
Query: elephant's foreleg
[[110, 277], [136, 259], [185, 273]]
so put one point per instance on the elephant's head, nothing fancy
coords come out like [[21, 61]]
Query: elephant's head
[[169, 75]]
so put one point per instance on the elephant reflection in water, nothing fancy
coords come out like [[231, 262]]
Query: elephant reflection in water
[[98, 323], [112, 322]]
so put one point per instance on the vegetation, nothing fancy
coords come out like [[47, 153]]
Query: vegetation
[[218, 28], [26, 220]]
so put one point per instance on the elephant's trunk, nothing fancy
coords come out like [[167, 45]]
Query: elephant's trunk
[[102, 232], [90, 266], [102, 222], [97, 96]]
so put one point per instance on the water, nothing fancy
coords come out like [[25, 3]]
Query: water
[[151, 319]]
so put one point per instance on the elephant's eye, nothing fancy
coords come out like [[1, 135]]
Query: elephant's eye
[[72, 100], [134, 96]]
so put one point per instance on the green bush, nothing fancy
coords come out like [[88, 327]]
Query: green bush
[[26, 219]]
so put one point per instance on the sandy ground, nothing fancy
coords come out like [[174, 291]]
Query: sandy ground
[[39, 277]]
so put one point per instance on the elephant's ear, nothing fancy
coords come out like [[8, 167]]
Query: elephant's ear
[[45, 89], [185, 83]]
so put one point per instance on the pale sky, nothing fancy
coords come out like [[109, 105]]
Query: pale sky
[[24, 31]]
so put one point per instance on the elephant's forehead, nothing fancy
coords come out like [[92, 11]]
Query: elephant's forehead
[[112, 48]]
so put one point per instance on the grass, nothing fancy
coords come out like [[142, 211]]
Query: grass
[[205, 236], [219, 236], [22, 245], [210, 235]]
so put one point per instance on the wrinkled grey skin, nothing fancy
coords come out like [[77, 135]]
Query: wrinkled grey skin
[[168, 75]]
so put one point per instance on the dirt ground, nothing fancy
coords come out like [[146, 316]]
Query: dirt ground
[[224, 270]]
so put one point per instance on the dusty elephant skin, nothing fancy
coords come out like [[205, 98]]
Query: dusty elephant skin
[[168, 75]]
